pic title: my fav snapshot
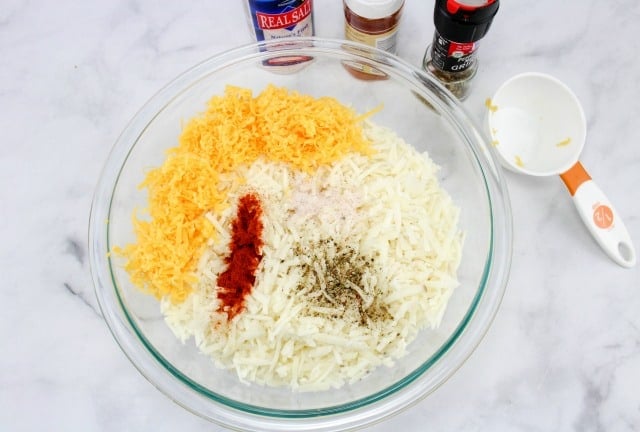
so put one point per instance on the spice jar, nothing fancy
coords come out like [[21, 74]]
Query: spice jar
[[281, 20], [452, 56], [373, 22], [278, 19]]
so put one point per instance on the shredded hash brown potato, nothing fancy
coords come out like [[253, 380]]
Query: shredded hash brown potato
[[387, 206], [359, 244]]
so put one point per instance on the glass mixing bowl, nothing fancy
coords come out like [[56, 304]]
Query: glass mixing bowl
[[422, 112]]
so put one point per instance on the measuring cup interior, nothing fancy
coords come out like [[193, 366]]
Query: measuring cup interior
[[537, 125]]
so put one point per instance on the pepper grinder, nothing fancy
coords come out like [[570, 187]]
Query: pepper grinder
[[452, 56]]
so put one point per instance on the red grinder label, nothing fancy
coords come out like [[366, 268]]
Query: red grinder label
[[453, 56], [461, 49]]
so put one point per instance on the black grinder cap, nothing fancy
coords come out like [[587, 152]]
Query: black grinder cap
[[460, 22]]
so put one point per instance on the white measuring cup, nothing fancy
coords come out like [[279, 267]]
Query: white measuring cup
[[538, 127]]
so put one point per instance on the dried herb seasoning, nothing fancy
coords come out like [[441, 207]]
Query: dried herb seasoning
[[339, 281]]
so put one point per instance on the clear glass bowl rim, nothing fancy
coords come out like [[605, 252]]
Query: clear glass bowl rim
[[418, 384]]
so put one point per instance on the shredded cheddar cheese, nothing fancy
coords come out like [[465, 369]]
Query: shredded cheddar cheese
[[519, 161], [236, 129], [490, 106], [564, 142]]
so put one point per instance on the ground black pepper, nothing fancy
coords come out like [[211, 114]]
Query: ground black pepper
[[338, 281]]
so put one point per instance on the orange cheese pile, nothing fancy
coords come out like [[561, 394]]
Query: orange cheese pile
[[236, 129]]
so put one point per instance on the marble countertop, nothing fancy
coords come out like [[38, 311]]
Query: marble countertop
[[564, 350]]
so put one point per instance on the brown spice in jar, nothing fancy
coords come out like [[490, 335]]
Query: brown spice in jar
[[374, 26]]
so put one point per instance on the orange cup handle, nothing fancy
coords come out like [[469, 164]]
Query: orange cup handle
[[574, 177]]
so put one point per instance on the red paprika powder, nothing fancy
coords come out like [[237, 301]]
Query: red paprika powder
[[236, 282]]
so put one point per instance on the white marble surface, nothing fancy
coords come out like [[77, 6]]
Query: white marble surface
[[564, 351]]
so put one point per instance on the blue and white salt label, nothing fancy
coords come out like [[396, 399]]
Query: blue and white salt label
[[279, 19]]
